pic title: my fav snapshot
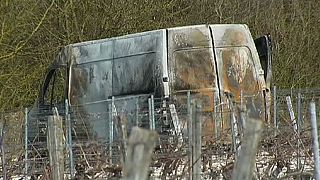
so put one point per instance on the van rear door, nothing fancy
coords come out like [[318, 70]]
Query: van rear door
[[192, 68], [240, 73]]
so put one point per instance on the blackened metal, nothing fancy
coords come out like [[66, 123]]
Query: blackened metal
[[264, 48], [131, 68]]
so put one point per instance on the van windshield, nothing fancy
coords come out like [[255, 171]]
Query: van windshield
[[238, 71]]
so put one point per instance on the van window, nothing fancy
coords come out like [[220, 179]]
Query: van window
[[194, 69], [238, 70]]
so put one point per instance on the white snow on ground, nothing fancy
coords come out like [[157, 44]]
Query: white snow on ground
[[265, 167]]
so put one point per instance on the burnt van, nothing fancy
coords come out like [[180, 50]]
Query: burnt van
[[218, 64]]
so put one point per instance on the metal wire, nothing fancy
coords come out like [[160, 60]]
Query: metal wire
[[98, 140]]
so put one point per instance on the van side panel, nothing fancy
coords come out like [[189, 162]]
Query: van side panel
[[128, 67], [119, 66], [134, 65]]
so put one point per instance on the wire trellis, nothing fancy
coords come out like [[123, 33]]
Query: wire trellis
[[95, 142]]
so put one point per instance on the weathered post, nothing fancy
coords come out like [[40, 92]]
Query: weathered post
[[299, 124], [314, 129], [292, 116], [111, 130], [69, 139], [234, 127], [3, 158], [245, 162], [165, 113], [121, 125], [140, 147], [242, 110], [26, 142], [56, 146], [234, 132], [215, 120], [190, 137], [295, 125], [137, 112], [152, 111], [196, 168], [151, 117], [175, 119], [275, 110]]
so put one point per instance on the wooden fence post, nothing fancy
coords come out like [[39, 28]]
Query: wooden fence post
[[190, 137], [292, 116], [26, 142], [245, 162], [140, 147], [196, 141], [69, 139], [121, 125], [56, 146], [137, 112], [275, 123], [111, 132], [299, 127]]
